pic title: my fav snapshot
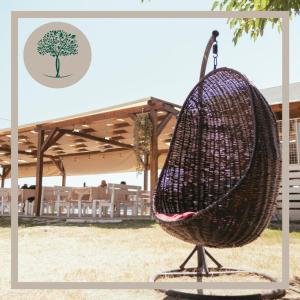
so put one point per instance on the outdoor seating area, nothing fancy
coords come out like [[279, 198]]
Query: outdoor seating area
[[113, 201]]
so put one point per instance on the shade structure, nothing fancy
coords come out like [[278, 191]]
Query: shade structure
[[99, 141], [89, 164], [219, 183]]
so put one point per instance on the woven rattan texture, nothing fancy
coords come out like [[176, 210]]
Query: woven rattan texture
[[223, 163]]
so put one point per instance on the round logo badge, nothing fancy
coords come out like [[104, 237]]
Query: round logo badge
[[57, 54]]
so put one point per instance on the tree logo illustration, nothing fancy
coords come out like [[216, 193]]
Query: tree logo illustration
[[57, 54], [57, 43]]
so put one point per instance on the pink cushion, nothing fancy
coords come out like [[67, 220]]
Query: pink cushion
[[175, 217]]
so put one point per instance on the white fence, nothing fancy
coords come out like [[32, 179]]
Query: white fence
[[294, 193]]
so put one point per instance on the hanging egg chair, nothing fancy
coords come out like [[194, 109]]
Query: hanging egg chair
[[219, 183]]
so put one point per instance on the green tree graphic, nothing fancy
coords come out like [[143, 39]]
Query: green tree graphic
[[58, 43]]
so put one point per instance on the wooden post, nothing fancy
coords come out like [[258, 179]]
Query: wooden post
[[2, 177], [39, 172], [5, 172], [63, 183], [153, 152], [146, 169]]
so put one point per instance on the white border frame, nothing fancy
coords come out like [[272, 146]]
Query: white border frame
[[15, 15]]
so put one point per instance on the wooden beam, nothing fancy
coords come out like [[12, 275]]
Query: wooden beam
[[114, 114], [39, 172], [162, 151], [5, 172], [163, 123], [20, 130], [60, 166], [52, 138], [33, 154], [156, 103], [132, 118], [75, 155], [63, 179], [55, 139], [171, 109], [96, 138], [153, 152], [47, 142]]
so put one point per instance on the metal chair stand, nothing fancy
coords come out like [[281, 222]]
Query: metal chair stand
[[202, 270]]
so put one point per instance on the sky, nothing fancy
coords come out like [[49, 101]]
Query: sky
[[134, 59]]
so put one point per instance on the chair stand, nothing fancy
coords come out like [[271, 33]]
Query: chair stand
[[202, 270]]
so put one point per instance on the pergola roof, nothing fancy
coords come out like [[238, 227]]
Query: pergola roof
[[94, 142], [274, 97], [274, 94]]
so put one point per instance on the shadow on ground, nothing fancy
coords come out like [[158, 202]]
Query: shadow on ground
[[31, 222], [292, 293], [294, 226]]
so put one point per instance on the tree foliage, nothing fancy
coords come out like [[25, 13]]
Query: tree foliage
[[58, 43], [255, 27]]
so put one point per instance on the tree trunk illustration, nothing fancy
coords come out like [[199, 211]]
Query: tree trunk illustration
[[57, 65]]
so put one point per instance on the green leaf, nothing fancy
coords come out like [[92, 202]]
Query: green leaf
[[215, 5]]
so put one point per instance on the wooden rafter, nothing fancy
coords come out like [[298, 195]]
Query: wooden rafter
[[121, 113], [5, 172], [49, 139], [96, 138], [33, 153], [171, 109], [163, 123], [155, 103], [60, 166], [58, 163]]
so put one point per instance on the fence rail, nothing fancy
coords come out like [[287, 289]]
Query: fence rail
[[294, 193]]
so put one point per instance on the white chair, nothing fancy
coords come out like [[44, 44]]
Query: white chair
[[120, 197], [48, 201], [128, 199], [106, 203], [145, 203], [102, 199], [85, 203], [63, 197], [5, 201]]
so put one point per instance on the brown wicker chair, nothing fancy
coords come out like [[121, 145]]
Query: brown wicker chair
[[219, 183]]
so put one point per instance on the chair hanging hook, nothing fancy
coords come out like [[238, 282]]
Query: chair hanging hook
[[212, 43], [215, 54]]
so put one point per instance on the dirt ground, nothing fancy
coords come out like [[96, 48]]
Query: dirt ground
[[128, 251]]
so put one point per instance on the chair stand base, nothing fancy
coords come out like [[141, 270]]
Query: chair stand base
[[202, 271]]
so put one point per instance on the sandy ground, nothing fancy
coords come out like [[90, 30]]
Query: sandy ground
[[130, 251]]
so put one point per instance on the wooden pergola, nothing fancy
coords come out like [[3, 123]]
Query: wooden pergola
[[294, 109], [109, 132]]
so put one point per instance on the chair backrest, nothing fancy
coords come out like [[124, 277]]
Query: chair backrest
[[4, 194], [48, 194], [145, 195], [129, 189], [120, 192], [82, 192], [101, 193], [62, 192]]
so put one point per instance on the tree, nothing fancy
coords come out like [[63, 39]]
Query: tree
[[255, 27], [58, 43]]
